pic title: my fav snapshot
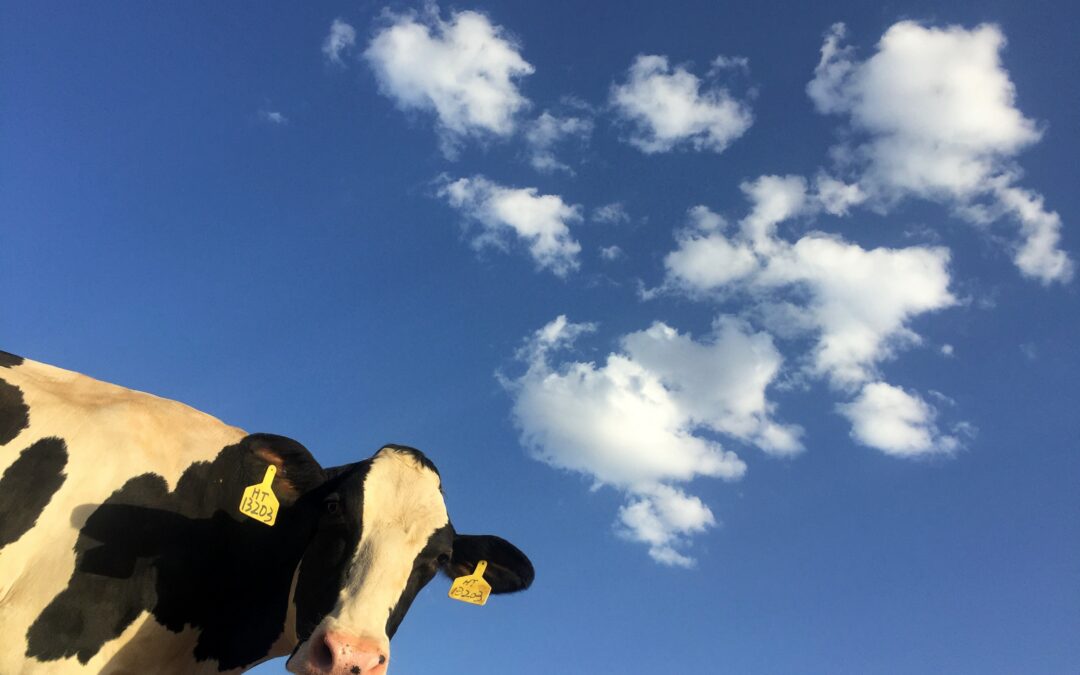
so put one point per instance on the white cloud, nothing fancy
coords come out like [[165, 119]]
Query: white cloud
[[541, 221], [896, 422], [668, 107], [731, 63], [860, 301], [464, 70], [273, 117], [642, 420], [612, 252], [611, 214], [663, 518], [857, 301], [935, 115], [545, 132], [340, 39]]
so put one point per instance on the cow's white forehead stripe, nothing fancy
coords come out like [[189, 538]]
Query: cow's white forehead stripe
[[403, 507]]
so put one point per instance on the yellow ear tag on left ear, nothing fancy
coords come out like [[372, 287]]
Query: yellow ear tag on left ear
[[472, 588], [259, 501]]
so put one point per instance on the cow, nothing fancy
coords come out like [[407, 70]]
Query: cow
[[128, 543]]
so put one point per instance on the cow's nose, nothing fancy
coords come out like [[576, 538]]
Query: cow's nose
[[342, 654]]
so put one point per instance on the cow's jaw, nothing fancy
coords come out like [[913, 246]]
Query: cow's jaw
[[402, 508]]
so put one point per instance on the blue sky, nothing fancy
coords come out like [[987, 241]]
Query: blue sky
[[756, 332]]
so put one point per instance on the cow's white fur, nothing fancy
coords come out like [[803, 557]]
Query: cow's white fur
[[137, 433]]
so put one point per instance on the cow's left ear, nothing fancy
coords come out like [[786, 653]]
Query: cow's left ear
[[508, 569], [297, 470]]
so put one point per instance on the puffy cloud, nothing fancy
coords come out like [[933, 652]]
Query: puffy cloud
[[719, 384], [935, 117], [543, 133], [340, 39], [668, 107], [858, 301], [642, 420], [896, 422], [541, 221], [463, 70]]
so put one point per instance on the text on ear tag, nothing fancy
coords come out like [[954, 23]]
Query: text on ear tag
[[472, 588], [259, 501]]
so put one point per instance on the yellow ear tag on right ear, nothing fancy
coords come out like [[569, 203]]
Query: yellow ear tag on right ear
[[472, 588], [259, 501]]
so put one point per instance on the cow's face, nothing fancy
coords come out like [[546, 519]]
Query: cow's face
[[382, 535]]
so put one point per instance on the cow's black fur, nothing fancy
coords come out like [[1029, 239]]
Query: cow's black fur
[[28, 486], [9, 360], [14, 413], [189, 558]]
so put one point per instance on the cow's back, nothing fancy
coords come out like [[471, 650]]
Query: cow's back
[[76, 441]]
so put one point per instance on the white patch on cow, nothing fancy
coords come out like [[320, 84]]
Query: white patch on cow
[[403, 507]]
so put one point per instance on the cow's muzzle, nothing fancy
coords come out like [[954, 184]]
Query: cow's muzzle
[[338, 653]]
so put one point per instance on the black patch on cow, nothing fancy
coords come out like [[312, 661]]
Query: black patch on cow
[[14, 413], [326, 561], [188, 557], [9, 360], [28, 486]]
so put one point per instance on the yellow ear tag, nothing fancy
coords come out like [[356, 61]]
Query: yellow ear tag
[[472, 588], [259, 501]]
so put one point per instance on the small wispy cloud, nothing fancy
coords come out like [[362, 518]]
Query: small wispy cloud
[[273, 117], [340, 39], [611, 214], [540, 221], [548, 130]]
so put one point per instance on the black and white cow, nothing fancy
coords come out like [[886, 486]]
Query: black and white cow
[[122, 548]]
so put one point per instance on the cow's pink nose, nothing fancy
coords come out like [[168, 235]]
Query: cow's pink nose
[[343, 654]]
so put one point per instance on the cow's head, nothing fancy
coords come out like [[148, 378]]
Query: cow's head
[[381, 534]]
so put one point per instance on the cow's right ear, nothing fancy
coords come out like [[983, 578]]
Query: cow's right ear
[[508, 571], [297, 470]]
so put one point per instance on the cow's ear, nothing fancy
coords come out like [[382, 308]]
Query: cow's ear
[[297, 470], [508, 569]]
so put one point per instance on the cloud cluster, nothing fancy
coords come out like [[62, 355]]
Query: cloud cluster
[[668, 107], [931, 114], [500, 212], [857, 302], [936, 117], [464, 70], [646, 417]]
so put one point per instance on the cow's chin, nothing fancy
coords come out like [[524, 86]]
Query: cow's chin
[[338, 653]]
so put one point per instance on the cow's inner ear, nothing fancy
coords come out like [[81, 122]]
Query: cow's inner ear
[[297, 470], [508, 569]]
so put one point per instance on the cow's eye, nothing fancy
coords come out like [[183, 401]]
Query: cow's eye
[[332, 505], [443, 559]]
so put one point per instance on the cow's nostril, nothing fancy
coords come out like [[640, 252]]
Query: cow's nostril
[[382, 659], [323, 654]]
